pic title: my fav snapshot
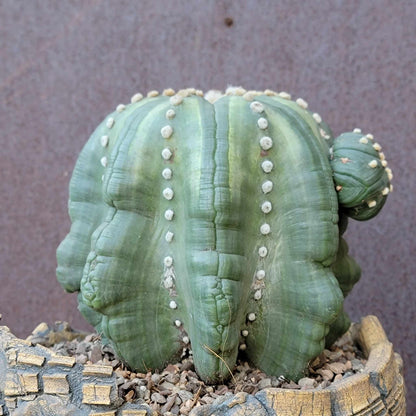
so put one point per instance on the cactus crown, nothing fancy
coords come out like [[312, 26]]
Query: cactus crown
[[218, 222]]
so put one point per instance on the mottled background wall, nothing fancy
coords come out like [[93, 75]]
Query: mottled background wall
[[65, 64]]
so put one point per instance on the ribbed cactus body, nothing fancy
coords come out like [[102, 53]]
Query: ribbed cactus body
[[210, 223]]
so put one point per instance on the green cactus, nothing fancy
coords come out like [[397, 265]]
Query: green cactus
[[218, 222]]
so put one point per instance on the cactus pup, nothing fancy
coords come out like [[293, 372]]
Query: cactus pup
[[217, 221]]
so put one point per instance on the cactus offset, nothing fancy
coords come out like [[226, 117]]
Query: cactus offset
[[217, 222]]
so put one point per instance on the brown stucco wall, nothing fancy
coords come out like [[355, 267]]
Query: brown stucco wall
[[65, 64]]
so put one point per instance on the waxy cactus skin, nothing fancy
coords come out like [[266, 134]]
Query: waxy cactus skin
[[220, 224]]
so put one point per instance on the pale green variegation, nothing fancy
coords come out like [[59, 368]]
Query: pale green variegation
[[218, 223]]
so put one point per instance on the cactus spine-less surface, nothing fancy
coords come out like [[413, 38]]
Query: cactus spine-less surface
[[218, 222]]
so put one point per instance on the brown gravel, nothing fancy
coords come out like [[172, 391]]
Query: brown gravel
[[177, 389]]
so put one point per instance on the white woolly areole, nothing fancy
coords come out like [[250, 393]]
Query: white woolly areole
[[110, 122], [172, 304], [266, 207], [262, 251], [266, 143], [257, 295], [166, 131], [265, 229], [166, 153], [104, 161], [267, 186], [251, 316], [260, 274], [257, 107], [168, 261], [169, 214], [302, 103], [168, 193], [136, 98], [104, 141], [267, 166], [167, 173], [169, 236], [170, 114], [262, 123]]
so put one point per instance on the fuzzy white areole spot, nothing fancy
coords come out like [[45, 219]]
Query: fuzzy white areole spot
[[173, 304], [169, 236], [324, 134], [266, 207], [152, 94], [168, 92], [168, 282], [110, 122], [260, 274], [265, 229], [285, 95], [120, 108], [338, 188], [371, 204], [104, 140], [267, 187], [377, 147], [385, 191], [256, 107], [262, 123], [384, 163], [266, 142], [166, 153], [168, 261], [302, 103], [244, 333], [235, 91], [170, 114], [199, 93], [369, 136], [317, 118], [178, 323], [251, 316], [257, 295], [242, 347], [136, 98], [168, 193], [102, 178], [167, 173], [270, 93], [391, 188], [166, 131], [363, 140], [382, 156], [357, 130], [104, 161], [373, 164], [263, 251], [169, 214], [185, 340], [389, 174], [176, 99], [267, 166]]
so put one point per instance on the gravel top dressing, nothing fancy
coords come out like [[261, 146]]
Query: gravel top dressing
[[177, 389]]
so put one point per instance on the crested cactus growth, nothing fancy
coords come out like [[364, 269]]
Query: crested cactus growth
[[217, 222]]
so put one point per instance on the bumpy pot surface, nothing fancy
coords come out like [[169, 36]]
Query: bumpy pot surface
[[35, 380]]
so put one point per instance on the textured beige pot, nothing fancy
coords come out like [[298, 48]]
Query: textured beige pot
[[378, 390], [34, 381]]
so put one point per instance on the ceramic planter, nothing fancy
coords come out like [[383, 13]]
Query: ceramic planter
[[35, 381]]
